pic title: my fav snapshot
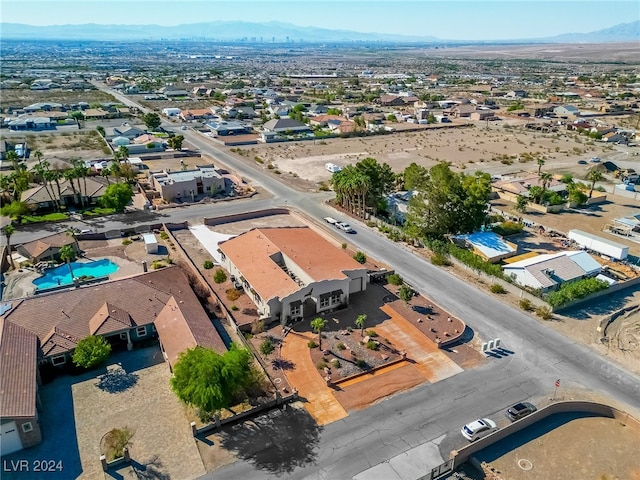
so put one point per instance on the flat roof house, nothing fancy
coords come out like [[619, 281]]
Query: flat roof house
[[292, 272], [188, 184]]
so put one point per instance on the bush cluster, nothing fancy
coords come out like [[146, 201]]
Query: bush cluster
[[575, 290]]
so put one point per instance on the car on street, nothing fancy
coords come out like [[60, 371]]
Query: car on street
[[520, 410], [594, 159], [478, 429], [330, 220], [582, 162], [345, 226]]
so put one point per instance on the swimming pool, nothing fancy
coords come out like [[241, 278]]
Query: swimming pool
[[54, 277]]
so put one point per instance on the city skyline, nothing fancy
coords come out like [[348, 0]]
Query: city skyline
[[484, 20]]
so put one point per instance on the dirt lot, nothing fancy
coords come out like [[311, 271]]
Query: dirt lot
[[23, 97]]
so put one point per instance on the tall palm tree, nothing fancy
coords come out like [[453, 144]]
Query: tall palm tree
[[360, 320], [541, 162], [41, 170], [594, 176], [318, 324], [68, 254], [8, 230], [545, 179], [123, 151]]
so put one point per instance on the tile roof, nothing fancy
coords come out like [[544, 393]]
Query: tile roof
[[38, 247], [255, 253], [18, 371]]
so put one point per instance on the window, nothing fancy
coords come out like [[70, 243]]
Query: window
[[27, 427], [123, 336], [141, 331], [296, 308], [324, 301], [335, 298], [58, 360]]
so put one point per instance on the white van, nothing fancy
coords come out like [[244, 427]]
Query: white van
[[332, 167]]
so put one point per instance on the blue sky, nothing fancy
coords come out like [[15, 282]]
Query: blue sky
[[446, 19]]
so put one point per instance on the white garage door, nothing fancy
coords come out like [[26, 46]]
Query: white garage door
[[355, 285], [9, 438]]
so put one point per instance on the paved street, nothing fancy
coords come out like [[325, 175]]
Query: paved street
[[431, 414]]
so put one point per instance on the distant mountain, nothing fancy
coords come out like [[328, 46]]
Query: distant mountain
[[624, 32], [275, 32], [225, 31]]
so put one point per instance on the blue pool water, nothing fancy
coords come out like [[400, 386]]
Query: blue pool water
[[54, 277]]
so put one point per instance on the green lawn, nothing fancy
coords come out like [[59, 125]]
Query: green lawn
[[98, 211], [51, 217]]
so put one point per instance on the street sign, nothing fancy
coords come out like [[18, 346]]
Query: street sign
[[557, 383]]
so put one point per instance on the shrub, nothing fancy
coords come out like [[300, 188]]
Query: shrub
[[164, 235], [234, 307], [208, 265], [508, 228], [371, 333], [575, 290], [312, 344], [233, 294], [439, 260], [395, 279], [257, 326], [372, 345], [360, 257], [335, 363], [341, 346], [544, 313], [157, 264], [219, 276], [475, 262], [344, 246], [362, 364], [91, 351], [497, 288], [321, 365], [526, 305], [126, 242], [267, 347]]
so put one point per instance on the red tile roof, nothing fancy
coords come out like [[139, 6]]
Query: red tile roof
[[255, 252], [18, 371]]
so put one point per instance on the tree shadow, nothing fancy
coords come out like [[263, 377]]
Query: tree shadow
[[282, 364], [150, 469], [604, 305], [277, 442]]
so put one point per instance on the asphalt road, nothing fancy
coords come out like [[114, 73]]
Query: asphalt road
[[430, 415]]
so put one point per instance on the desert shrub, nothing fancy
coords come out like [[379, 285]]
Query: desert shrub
[[257, 326], [267, 347], [508, 228], [157, 265], [526, 305], [341, 346], [344, 246], [439, 259], [234, 308], [544, 313], [475, 262], [233, 294], [362, 364], [208, 265], [371, 333], [220, 276], [575, 290], [321, 365], [497, 288], [395, 279], [126, 242], [360, 257], [164, 235], [335, 363], [372, 345], [312, 344]]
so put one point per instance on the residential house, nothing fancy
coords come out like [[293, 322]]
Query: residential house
[[462, 111], [478, 115], [279, 129], [47, 248], [516, 94], [398, 204], [567, 111], [487, 245], [323, 120], [317, 109], [196, 114], [292, 272], [187, 185], [222, 129], [69, 195], [30, 122], [392, 100], [173, 92], [521, 185], [549, 271], [171, 112], [125, 130], [159, 304]]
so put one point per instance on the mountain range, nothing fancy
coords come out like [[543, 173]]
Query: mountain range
[[275, 32]]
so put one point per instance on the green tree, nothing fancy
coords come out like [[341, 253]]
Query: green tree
[[152, 120], [405, 293], [122, 154], [318, 324], [209, 381], [117, 196], [91, 352], [381, 180], [175, 142], [540, 162], [536, 193], [9, 230], [100, 130], [360, 321], [593, 176], [576, 195], [68, 254], [16, 210], [521, 204], [351, 187], [415, 177]]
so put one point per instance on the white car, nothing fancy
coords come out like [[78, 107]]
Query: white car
[[594, 159], [345, 226], [478, 429], [330, 220]]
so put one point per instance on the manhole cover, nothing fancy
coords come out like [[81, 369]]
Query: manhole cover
[[525, 464], [277, 380]]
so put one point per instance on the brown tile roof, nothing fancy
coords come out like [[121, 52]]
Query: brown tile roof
[[109, 318], [18, 371], [181, 326], [38, 247], [255, 252]]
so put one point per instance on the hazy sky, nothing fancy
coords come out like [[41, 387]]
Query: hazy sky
[[446, 19]]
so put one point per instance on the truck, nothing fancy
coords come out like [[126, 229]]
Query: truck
[[330, 220], [332, 167], [603, 246]]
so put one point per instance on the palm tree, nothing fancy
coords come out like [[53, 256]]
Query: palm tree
[[68, 254], [594, 176], [318, 324], [545, 179], [541, 162], [521, 204], [123, 152], [8, 230], [360, 319], [41, 170]]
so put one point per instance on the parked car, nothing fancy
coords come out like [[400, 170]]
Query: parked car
[[520, 410], [594, 159], [478, 429], [345, 226], [582, 162]]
